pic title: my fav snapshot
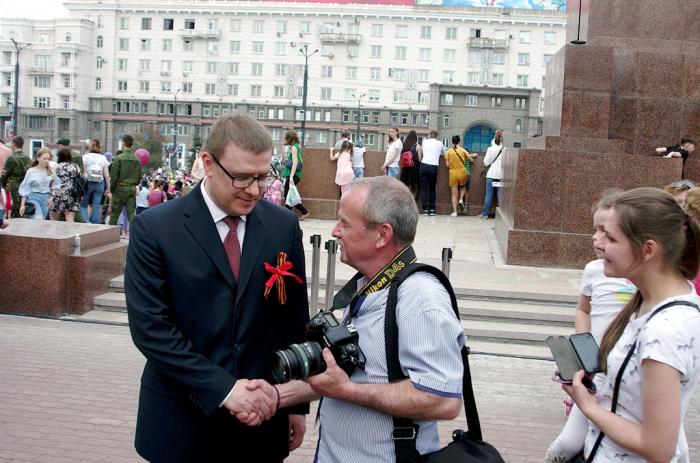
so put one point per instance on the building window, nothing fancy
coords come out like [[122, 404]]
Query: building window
[[398, 74], [326, 71], [123, 44], [472, 78], [166, 66], [259, 26], [99, 62], [497, 79], [235, 46], [6, 57], [122, 85], [213, 24], [256, 69], [353, 51], [166, 86], [67, 81], [189, 24], [545, 59], [472, 101], [424, 54], [423, 97], [524, 59], [98, 83], [146, 44], [232, 68], [305, 27], [281, 27], [498, 57], [167, 45], [550, 38], [496, 101], [446, 99], [233, 89], [210, 89], [255, 90], [187, 87], [375, 73], [522, 80], [376, 51], [400, 53], [211, 67], [520, 103], [377, 30], [123, 24], [144, 86], [351, 72], [42, 102], [321, 137], [187, 45], [524, 37], [146, 24], [448, 77], [280, 48], [425, 32], [212, 47], [279, 91], [474, 57], [258, 48], [401, 31], [350, 93], [122, 64], [518, 125], [100, 41], [451, 33], [168, 24], [144, 64], [423, 75], [235, 25], [280, 69], [326, 93], [374, 95], [66, 59], [39, 81], [446, 120]]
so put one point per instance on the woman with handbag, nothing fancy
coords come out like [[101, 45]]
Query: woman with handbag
[[650, 350], [457, 160], [66, 199], [293, 166], [409, 173], [492, 160], [36, 187]]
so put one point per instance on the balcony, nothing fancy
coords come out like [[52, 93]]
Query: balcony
[[486, 42], [200, 33], [41, 69], [339, 37]]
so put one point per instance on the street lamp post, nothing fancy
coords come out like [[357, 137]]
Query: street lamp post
[[305, 51], [15, 108], [359, 113], [174, 153]]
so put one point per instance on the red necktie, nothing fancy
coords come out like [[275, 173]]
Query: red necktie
[[232, 246]]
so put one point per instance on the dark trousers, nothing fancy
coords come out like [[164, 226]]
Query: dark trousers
[[300, 207], [428, 180]]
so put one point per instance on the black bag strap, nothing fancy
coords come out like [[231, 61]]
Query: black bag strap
[[405, 431], [618, 378]]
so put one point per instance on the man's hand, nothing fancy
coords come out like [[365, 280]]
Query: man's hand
[[297, 429], [333, 382], [252, 402]]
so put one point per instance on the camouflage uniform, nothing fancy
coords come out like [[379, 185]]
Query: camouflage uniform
[[15, 168], [125, 176]]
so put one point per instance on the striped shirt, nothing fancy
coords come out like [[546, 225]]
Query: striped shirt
[[430, 340]]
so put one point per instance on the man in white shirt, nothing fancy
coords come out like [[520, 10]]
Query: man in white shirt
[[433, 150]]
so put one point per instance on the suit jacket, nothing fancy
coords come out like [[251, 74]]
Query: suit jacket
[[200, 331]]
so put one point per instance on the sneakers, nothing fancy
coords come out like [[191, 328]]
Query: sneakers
[[460, 207], [482, 216], [454, 214], [304, 216], [426, 212], [432, 212]]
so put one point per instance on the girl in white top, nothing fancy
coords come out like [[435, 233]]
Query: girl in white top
[[393, 153], [648, 239]]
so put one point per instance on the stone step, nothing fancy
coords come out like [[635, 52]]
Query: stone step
[[498, 331], [537, 351], [517, 312], [112, 302], [109, 317]]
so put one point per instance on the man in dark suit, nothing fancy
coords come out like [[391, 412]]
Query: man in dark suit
[[194, 283]]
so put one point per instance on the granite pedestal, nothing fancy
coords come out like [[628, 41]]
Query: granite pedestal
[[43, 276], [632, 87]]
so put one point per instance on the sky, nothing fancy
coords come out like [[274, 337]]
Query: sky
[[34, 9]]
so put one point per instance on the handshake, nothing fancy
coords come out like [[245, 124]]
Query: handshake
[[253, 401]]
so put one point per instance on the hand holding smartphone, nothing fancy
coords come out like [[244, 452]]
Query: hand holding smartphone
[[574, 353]]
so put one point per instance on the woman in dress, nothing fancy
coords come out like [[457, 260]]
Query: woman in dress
[[293, 166], [65, 200], [343, 171], [650, 350], [457, 159], [38, 182]]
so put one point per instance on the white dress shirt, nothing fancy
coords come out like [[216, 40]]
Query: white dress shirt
[[218, 216]]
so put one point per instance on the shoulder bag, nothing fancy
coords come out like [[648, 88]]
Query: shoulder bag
[[466, 446], [618, 380], [486, 168]]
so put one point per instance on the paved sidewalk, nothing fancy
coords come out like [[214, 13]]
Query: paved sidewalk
[[69, 391]]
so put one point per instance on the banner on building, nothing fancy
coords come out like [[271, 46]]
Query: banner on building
[[556, 5]]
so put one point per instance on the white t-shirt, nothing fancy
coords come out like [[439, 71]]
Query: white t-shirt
[[92, 164], [142, 198], [394, 150], [433, 149], [672, 337], [608, 296], [358, 156]]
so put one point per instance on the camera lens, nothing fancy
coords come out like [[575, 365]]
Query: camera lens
[[299, 361]]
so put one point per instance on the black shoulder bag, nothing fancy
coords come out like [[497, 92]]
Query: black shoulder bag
[[466, 446], [618, 379], [486, 168]]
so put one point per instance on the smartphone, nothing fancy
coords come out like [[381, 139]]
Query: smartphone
[[587, 351], [564, 357]]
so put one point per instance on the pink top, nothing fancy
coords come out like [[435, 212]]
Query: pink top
[[344, 173], [155, 197], [5, 153]]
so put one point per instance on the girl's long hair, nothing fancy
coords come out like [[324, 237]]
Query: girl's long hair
[[40, 153]]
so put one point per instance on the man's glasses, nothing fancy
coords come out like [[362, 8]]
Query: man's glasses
[[244, 181]]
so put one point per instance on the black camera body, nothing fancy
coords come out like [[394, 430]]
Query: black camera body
[[299, 361]]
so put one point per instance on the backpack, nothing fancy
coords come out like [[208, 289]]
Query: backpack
[[407, 159], [94, 173]]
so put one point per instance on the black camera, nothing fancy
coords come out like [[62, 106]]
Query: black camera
[[299, 361]]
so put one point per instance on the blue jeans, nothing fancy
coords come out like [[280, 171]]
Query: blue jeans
[[93, 196], [490, 190], [427, 175], [392, 172], [41, 202], [359, 172]]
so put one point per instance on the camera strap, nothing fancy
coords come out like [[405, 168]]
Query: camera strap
[[348, 293]]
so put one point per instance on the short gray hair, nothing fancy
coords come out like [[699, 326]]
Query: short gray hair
[[389, 201]]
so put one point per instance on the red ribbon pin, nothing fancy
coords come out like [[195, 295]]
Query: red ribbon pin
[[278, 273]]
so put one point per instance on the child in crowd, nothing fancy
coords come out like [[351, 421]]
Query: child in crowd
[[601, 299], [343, 173], [650, 350]]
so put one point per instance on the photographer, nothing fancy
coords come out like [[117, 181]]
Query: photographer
[[376, 226]]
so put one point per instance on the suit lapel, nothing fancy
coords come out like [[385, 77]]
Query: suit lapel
[[252, 245], [200, 224]]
